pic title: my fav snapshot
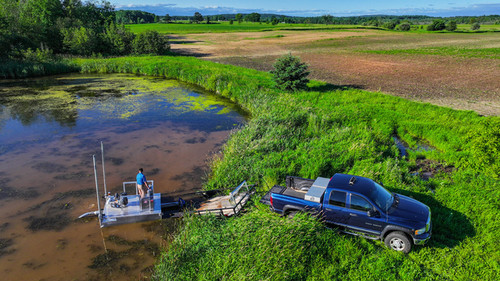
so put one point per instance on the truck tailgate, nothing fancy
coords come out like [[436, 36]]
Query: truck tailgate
[[275, 189]]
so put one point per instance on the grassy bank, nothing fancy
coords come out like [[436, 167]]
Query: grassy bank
[[16, 69], [320, 132]]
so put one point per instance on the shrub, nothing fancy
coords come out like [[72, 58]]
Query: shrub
[[405, 26], [436, 25], [390, 25], [290, 74], [43, 55], [451, 25], [151, 42], [475, 26], [118, 40], [81, 41], [484, 144]]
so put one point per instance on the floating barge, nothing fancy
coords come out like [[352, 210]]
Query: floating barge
[[123, 208]]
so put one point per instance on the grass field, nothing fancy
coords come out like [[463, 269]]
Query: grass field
[[184, 28], [224, 26], [319, 132]]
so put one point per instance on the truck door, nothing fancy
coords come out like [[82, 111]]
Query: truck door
[[335, 208], [359, 219]]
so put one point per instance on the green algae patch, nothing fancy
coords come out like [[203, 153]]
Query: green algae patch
[[111, 96]]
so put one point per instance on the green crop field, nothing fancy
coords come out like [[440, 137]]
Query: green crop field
[[183, 28], [224, 26], [319, 132]]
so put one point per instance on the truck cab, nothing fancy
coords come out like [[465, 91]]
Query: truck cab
[[359, 206]]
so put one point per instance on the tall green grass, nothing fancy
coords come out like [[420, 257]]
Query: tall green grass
[[17, 69], [320, 132]]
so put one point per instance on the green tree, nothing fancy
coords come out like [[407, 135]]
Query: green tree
[[327, 19], [239, 17], [168, 18], [80, 41], [436, 25], [289, 73], [150, 42], [231, 22], [253, 17], [389, 25], [475, 26], [197, 18], [117, 40], [405, 26], [451, 25], [275, 20]]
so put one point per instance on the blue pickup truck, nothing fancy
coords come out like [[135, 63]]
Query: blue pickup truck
[[357, 205]]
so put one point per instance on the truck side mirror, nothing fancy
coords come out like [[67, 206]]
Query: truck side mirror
[[372, 213]]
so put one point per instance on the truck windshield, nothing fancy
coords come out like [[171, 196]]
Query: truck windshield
[[381, 197]]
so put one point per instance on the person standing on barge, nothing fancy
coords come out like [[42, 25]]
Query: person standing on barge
[[141, 182]]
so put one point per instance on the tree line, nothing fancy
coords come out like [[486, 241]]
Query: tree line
[[378, 20], [37, 29]]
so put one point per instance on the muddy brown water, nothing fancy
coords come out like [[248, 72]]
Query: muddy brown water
[[49, 130]]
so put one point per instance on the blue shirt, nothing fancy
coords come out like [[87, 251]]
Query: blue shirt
[[141, 179]]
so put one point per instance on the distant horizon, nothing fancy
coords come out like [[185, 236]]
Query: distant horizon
[[314, 8]]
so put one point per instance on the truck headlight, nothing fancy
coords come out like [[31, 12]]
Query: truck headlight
[[426, 227], [420, 231]]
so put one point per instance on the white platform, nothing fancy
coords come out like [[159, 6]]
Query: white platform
[[132, 212]]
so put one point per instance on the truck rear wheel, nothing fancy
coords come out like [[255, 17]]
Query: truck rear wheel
[[398, 241], [291, 214]]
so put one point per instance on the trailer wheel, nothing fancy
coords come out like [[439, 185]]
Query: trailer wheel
[[398, 241]]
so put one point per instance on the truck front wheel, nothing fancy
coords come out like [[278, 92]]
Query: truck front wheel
[[398, 241]]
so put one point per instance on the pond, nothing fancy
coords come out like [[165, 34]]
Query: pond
[[49, 130]]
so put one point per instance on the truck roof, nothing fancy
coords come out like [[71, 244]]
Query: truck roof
[[352, 183]]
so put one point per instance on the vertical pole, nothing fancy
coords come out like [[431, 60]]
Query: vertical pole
[[103, 171], [97, 191]]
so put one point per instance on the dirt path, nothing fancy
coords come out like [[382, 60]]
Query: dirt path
[[337, 57]]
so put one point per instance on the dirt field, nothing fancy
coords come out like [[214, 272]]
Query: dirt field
[[355, 58]]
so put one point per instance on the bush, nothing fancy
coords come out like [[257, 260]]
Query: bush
[[404, 26], [451, 25], [151, 42], [475, 26], [484, 144], [390, 25], [118, 40], [290, 74], [43, 55], [80, 41], [436, 25]]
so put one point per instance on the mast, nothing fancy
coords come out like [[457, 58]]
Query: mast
[[103, 171], [97, 191]]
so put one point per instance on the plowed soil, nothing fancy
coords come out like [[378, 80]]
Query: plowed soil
[[346, 58]]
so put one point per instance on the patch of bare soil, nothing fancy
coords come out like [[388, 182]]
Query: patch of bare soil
[[456, 82]]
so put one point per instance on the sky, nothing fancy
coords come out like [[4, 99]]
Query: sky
[[338, 8]]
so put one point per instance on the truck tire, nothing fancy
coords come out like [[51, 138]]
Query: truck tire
[[398, 241], [291, 214]]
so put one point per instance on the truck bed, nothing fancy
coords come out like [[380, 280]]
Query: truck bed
[[282, 190], [295, 187]]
